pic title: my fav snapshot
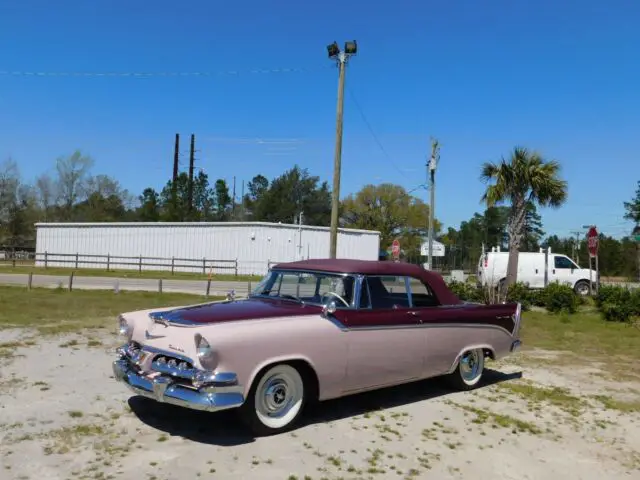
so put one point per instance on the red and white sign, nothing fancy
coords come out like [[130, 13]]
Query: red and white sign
[[592, 241], [395, 249]]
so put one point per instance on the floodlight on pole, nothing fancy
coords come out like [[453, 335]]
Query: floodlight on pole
[[341, 57]]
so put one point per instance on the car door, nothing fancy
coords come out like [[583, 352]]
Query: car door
[[561, 270], [384, 343]]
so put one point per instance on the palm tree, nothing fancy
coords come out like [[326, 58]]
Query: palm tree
[[524, 178]]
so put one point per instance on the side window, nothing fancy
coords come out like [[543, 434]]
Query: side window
[[421, 294], [562, 262], [388, 292]]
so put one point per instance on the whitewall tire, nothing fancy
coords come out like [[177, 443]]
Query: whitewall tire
[[468, 372], [275, 401]]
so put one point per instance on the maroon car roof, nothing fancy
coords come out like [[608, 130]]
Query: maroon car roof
[[377, 267]]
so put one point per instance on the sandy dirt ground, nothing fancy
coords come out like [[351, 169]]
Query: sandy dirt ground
[[62, 416]]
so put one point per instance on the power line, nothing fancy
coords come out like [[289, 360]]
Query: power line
[[373, 134], [254, 71]]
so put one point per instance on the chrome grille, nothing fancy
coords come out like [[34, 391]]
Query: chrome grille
[[173, 366]]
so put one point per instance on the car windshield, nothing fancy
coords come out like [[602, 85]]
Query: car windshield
[[317, 288]]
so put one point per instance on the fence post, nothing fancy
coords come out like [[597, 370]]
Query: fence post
[[71, 281], [208, 288], [160, 286], [236, 268], [204, 265], [173, 264], [30, 280], [76, 259], [108, 261], [45, 259], [140, 264]]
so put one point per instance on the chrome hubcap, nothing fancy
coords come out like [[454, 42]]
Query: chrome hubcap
[[470, 365], [275, 399]]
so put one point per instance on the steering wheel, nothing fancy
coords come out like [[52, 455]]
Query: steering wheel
[[346, 304]]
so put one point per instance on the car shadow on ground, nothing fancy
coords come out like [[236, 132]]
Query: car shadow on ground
[[225, 428]]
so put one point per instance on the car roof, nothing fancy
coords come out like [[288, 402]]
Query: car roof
[[375, 267], [343, 265]]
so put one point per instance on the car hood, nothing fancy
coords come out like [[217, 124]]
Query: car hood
[[229, 311]]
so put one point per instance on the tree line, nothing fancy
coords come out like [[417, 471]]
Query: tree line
[[515, 186]]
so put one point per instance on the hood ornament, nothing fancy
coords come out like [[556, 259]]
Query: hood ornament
[[151, 336], [231, 296]]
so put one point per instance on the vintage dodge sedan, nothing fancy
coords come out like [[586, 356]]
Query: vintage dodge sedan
[[310, 331]]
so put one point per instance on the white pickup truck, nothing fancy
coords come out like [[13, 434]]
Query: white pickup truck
[[492, 270]]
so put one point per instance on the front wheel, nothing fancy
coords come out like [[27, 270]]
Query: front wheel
[[582, 288], [275, 401], [469, 370]]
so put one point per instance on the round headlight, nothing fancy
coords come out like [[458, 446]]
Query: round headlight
[[124, 329], [206, 355]]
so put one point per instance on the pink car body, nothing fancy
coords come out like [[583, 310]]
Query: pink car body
[[391, 324]]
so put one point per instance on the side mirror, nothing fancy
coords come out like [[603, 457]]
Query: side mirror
[[329, 308]]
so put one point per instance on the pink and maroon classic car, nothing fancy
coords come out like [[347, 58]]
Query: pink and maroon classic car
[[312, 330]]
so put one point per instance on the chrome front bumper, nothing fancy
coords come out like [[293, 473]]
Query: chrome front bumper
[[220, 392]]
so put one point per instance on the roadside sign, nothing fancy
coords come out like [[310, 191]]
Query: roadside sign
[[592, 241], [395, 249]]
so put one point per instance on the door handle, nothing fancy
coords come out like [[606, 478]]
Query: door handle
[[554, 271], [412, 313]]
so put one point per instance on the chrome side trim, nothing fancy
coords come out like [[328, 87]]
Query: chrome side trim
[[425, 325]]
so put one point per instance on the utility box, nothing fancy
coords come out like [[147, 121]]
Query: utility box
[[457, 275]]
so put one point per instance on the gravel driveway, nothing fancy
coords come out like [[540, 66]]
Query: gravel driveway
[[63, 416]]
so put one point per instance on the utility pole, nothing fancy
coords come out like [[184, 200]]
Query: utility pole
[[191, 163], [176, 159], [300, 235], [431, 178], [341, 57], [233, 204], [576, 247], [242, 203]]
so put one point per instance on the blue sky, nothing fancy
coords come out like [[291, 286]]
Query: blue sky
[[482, 77]]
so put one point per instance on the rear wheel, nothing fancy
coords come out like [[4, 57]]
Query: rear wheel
[[468, 372], [582, 287], [275, 401]]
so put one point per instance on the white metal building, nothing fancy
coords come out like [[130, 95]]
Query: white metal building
[[194, 246]]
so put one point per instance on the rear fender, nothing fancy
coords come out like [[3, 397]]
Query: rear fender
[[484, 346]]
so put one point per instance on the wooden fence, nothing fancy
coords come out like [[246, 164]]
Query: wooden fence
[[204, 266]]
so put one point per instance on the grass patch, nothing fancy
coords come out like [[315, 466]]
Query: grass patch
[[556, 396], [152, 274], [55, 311], [611, 403], [500, 420], [586, 334]]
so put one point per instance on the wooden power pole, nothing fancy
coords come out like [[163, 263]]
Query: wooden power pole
[[176, 159], [192, 159], [431, 175]]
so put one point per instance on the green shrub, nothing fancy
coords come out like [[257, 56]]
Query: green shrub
[[520, 292], [618, 304], [560, 298], [616, 312], [613, 295], [466, 291]]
